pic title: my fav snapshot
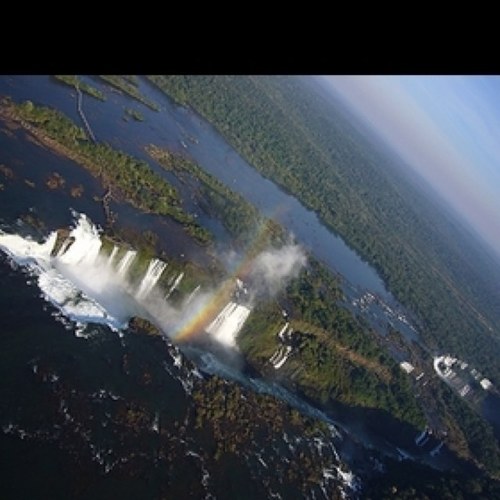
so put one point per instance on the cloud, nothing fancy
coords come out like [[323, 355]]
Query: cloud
[[272, 269]]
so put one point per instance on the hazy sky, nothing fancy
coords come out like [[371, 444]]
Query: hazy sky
[[447, 128]]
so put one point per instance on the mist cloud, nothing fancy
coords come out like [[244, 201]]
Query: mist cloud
[[89, 286], [273, 268]]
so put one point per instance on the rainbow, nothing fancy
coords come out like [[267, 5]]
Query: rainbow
[[199, 319]]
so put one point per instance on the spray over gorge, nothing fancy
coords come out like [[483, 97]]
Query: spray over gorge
[[90, 280], [90, 284]]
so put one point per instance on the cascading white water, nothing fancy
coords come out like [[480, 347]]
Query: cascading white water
[[125, 263], [112, 256], [86, 244], [88, 286], [153, 273], [192, 295], [27, 252], [226, 326], [81, 282], [175, 285], [64, 246]]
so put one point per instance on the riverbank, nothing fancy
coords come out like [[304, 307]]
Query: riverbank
[[128, 178]]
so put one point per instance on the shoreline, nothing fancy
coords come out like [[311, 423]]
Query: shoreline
[[12, 119]]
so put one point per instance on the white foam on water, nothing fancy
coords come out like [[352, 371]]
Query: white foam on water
[[73, 303], [78, 281], [27, 252]]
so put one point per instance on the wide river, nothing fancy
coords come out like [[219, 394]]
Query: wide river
[[173, 127]]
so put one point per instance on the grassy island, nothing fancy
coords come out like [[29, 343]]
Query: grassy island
[[238, 216], [123, 175], [75, 82], [128, 86]]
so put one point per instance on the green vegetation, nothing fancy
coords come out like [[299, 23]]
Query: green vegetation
[[238, 216], [75, 82], [146, 247], [334, 358], [298, 138], [122, 174], [478, 435], [124, 83], [134, 114], [142, 325], [132, 79]]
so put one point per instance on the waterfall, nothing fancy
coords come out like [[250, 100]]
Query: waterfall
[[153, 273], [27, 252], [192, 295], [112, 256], [86, 244], [175, 285], [65, 245], [125, 263], [226, 326], [88, 285], [77, 281]]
